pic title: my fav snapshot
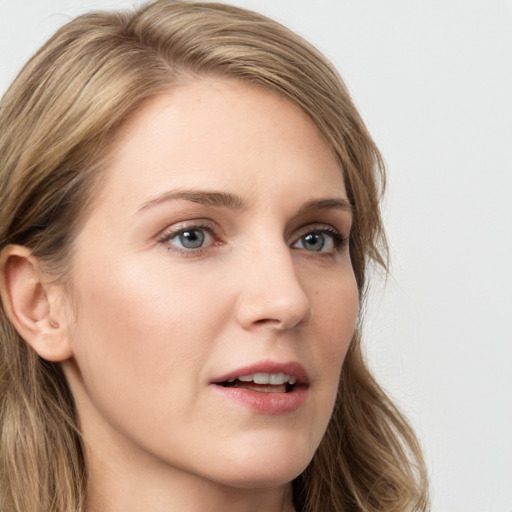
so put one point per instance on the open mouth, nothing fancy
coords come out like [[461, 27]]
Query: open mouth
[[262, 383], [266, 387]]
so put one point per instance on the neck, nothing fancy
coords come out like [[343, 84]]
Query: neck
[[134, 491], [118, 485]]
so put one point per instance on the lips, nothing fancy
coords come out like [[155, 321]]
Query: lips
[[267, 373], [267, 387], [263, 382]]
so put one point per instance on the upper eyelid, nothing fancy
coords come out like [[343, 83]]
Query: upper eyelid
[[318, 226], [178, 227]]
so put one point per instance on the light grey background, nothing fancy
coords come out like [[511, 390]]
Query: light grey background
[[433, 80]]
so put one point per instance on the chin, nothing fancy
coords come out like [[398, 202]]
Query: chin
[[265, 466]]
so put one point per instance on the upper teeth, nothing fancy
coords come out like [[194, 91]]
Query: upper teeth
[[275, 379]]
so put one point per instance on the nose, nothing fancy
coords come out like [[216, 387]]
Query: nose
[[272, 294]]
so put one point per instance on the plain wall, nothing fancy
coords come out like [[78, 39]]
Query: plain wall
[[433, 80]]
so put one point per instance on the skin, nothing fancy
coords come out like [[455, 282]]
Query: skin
[[152, 323]]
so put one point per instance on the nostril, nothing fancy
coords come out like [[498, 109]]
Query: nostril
[[268, 320]]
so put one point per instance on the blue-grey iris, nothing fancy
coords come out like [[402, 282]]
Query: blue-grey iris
[[314, 241], [192, 239]]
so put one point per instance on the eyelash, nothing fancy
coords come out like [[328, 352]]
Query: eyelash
[[338, 240], [171, 233]]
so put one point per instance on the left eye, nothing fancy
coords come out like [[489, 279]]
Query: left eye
[[319, 241]]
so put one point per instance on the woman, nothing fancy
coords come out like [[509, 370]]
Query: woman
[[189, 204]]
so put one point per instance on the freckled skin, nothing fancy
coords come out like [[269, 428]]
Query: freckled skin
[[156, 322]]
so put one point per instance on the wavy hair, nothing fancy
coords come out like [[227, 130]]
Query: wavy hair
[[58, 122]]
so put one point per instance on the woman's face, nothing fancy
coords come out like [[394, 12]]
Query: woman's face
[[214, 296]]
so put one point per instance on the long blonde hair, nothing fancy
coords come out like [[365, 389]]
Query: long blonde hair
[[58, 121]]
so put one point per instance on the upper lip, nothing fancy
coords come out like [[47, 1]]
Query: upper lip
[[291, 368]]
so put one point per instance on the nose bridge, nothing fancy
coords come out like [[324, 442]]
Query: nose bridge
[[271, 292]]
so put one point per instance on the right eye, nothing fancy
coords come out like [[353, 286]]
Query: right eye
[[189, 239]]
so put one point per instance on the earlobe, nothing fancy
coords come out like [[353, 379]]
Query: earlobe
[[30, 304]]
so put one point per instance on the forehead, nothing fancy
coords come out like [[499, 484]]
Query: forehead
[[213, 133]]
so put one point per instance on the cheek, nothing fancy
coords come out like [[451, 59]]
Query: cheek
[[335, 304], [335, 312], [138, 326]]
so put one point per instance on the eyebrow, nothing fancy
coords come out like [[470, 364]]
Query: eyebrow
[[235, 202], [210, 198], [327, 204]]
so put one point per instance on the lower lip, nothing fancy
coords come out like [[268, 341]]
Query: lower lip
[[266, 403]]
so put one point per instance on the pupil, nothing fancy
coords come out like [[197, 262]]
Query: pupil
[[314, 241], [192, 239]]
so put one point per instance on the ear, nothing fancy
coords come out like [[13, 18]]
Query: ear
[[33, 304]]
